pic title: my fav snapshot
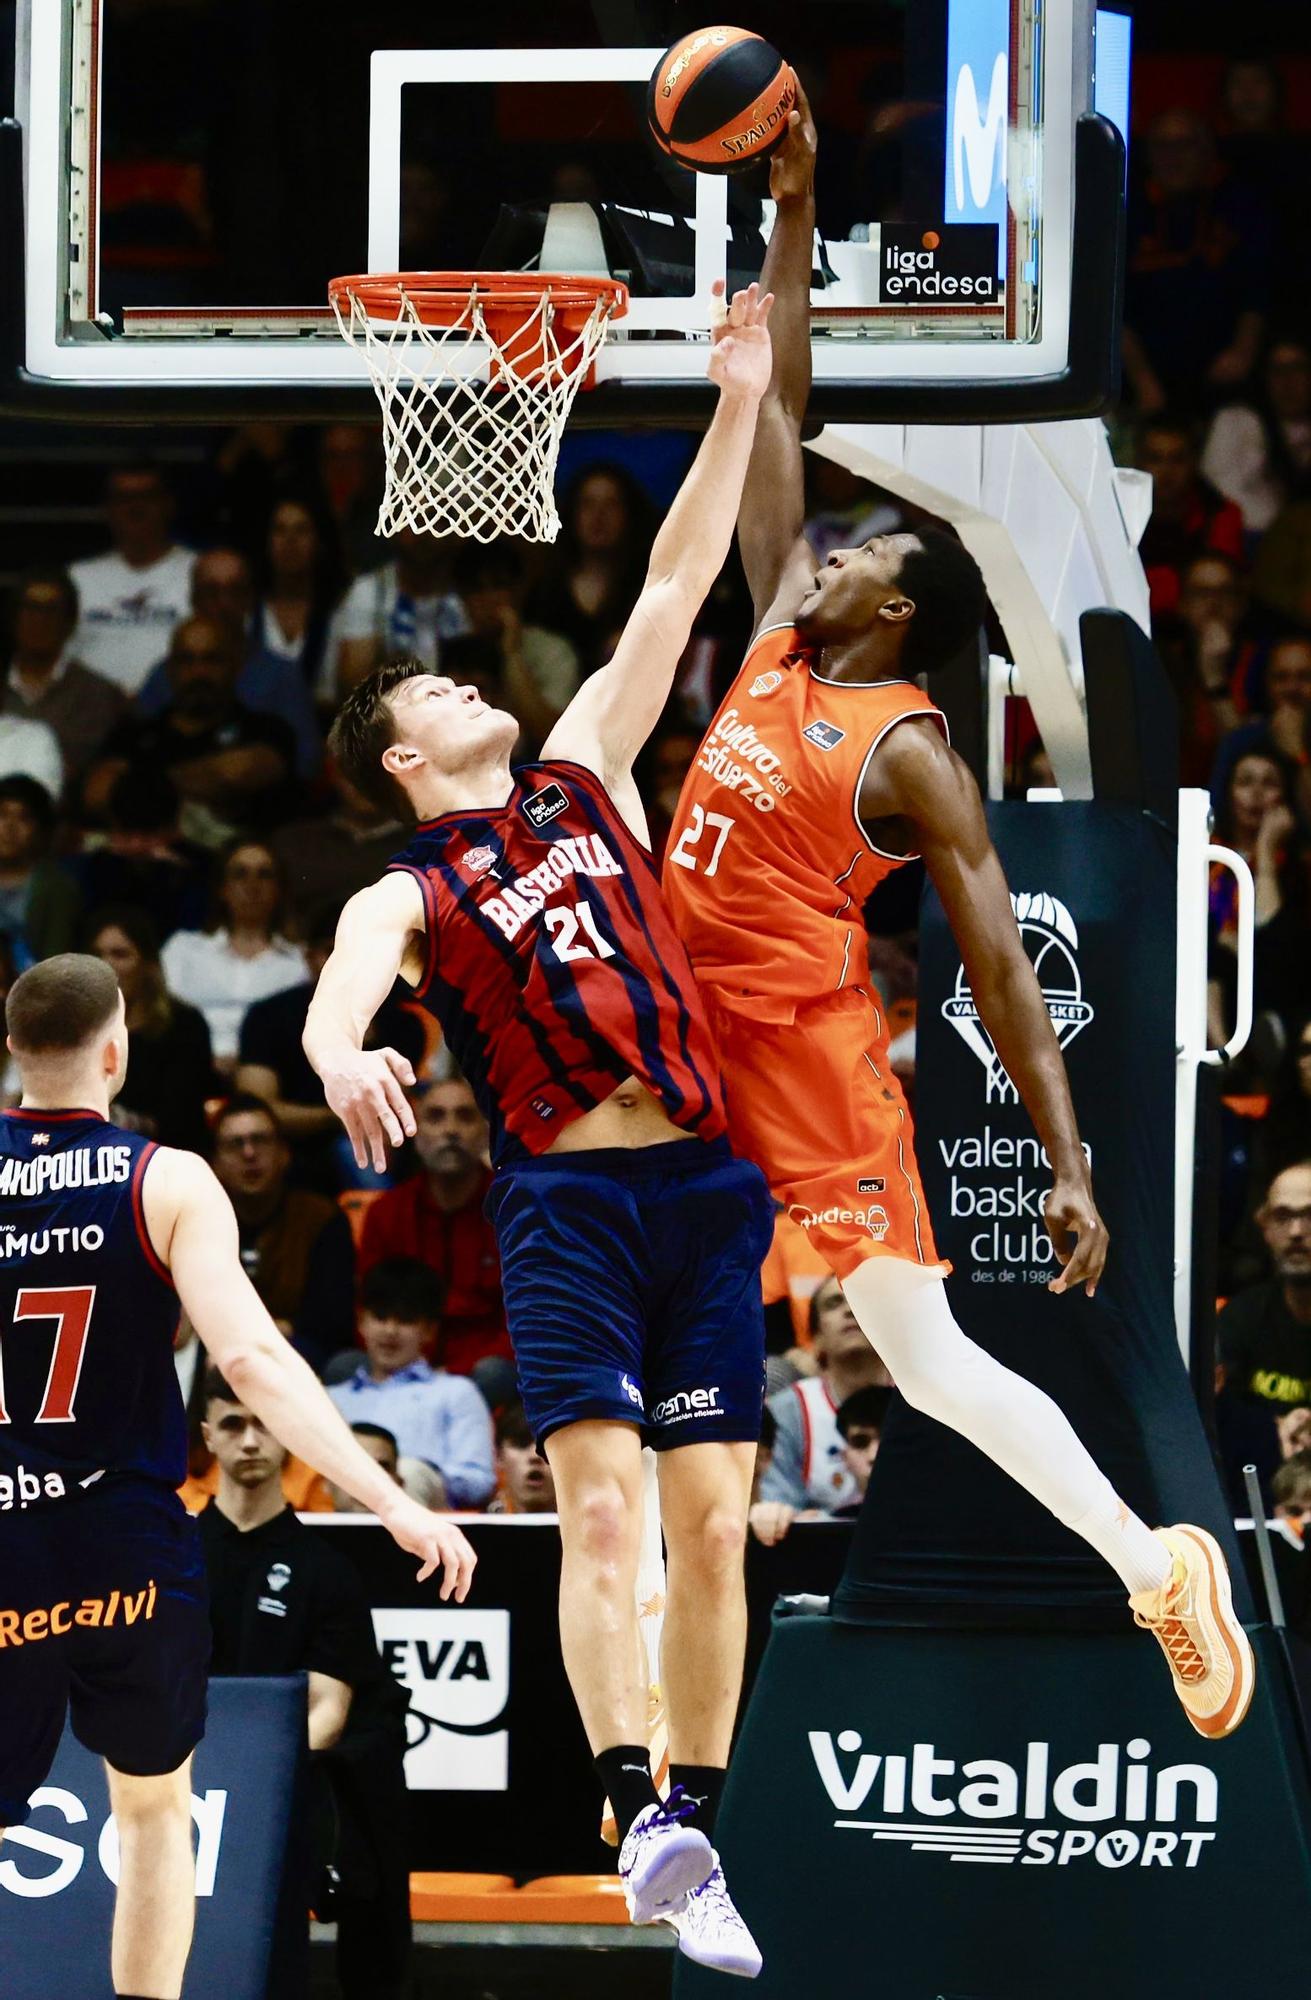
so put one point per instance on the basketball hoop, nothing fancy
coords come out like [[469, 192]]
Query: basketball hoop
[[475, 374]]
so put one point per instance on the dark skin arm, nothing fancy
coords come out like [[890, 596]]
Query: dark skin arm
[[918, 796], [778, 563]]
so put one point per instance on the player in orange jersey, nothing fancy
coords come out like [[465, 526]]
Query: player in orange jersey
[[825, 769]]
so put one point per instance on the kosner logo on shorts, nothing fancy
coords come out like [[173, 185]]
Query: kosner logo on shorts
[[1115, 1809]]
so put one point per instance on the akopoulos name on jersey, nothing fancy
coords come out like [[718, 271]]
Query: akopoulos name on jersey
[[53, 1173], [88, 1313]]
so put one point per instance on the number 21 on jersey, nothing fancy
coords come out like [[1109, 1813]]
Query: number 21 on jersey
[[691, 836]]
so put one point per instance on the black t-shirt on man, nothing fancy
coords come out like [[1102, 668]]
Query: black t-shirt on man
[[283, 1602], [1266, 1352]]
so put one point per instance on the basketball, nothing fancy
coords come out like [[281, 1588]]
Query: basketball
[[719, 100]]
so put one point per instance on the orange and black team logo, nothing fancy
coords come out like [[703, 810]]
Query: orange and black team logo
[[121, 1607]]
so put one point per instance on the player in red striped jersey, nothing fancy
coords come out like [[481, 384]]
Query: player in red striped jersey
[[527, 912]]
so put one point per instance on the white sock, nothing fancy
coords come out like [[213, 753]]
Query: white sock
[[905, 1316]]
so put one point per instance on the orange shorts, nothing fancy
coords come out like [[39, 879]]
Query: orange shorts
[[815, 1104]]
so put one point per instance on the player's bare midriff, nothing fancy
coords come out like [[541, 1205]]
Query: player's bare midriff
[[630, 1117]]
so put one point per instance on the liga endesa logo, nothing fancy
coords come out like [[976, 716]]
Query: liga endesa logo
[[1048, 933], [1114, 1810]]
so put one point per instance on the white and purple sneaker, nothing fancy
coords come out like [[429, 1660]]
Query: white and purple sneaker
[[662, 1860], [711, 1931]]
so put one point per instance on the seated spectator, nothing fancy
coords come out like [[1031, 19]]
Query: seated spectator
[[437, 1216], [1264, 1333], [808, 1468], [1286, 700], [1197, 271], [30, 749], [1291, 1487], [536, 670], [591, 577], [1188, 519], [132, 598], [300, 578], [296, 1246], [406, 607], [328, 857], [40, 909], [860, 1419], [230, 767], [252, 465], [244, 958], [223, 589], [170, 1067], [356, 1711], [525, 1482], [1259, 454], [436, 1417], [139, 856], [380, 1445], [1281, 568], [46, 682], [1255, 818], [348, 471], [273, 1065], [1284, 1135], [1266, 151], [1206, 654]]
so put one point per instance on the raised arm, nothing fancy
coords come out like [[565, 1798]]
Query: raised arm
[[928, 792], [613, 713], [778, 563], [194, 1233], [380, 933]]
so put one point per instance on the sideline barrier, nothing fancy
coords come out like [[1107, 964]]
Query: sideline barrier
[[57, 1872], [1010, 1816]]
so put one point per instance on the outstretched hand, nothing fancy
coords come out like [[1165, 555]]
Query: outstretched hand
[[741, 358], [792, 167]]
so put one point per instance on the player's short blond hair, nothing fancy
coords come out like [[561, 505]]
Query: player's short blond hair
[[59, 1004]]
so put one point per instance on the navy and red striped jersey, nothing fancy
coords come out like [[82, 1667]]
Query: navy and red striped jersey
[[553, 964], [88, 1314]]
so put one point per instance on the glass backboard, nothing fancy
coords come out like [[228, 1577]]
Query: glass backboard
[[193, 175]]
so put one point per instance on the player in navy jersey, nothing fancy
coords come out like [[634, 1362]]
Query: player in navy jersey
[[102, 1600], [527, 912]]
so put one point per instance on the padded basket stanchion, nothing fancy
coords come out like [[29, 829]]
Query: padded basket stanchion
[[475, 375]]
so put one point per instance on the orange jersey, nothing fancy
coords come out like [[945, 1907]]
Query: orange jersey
[[767, 867]]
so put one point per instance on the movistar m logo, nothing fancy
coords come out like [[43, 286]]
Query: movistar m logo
[[978, 137]]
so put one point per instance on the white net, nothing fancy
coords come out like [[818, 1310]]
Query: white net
[[472, 414]]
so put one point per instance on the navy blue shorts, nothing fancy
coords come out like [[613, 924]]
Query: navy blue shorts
[[632, 1289], [104, 1617]]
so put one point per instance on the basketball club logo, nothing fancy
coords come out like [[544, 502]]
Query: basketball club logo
[[1052, 942], [766, 683], [478, 859]]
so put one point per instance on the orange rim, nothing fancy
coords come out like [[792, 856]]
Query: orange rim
[[440, 298]]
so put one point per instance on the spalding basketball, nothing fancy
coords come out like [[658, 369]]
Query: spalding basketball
[[719, 100]]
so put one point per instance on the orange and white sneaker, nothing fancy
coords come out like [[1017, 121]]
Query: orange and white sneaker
[[1192, 1615]]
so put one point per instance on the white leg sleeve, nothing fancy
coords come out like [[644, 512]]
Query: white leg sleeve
[[905, 1316]]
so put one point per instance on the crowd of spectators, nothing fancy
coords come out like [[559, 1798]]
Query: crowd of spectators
[[166, 802], [1217, 408]]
